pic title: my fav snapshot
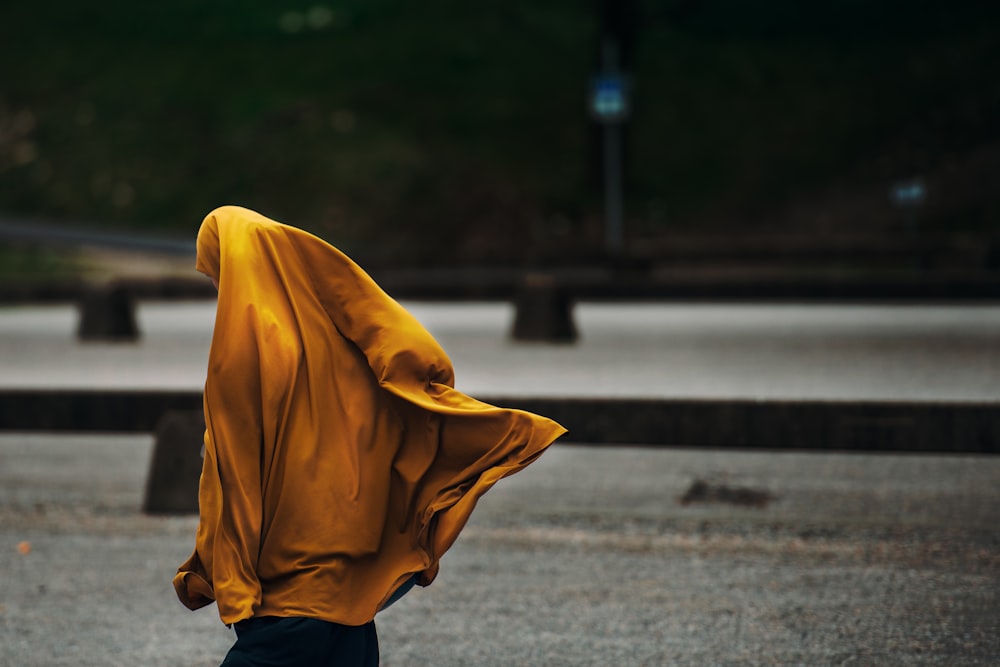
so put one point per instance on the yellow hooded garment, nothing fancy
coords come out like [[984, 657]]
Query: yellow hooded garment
[[339, 459]]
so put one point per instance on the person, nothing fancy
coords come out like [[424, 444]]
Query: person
[[340, 463]]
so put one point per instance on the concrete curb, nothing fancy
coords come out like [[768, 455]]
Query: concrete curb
[[738, 423]]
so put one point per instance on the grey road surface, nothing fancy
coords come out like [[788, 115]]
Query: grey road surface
[[825, 352], [585, 558], [588, 557]]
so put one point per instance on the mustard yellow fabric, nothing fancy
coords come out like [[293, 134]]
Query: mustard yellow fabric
[[339, 458]]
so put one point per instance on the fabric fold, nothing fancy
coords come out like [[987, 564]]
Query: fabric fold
[[340, 461]]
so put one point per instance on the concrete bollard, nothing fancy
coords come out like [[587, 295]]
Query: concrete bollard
[[543, 312], [107, 313], [175, 469]]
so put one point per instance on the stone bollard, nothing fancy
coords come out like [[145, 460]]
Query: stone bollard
[[107, 313], [543, 311], [175, 470]]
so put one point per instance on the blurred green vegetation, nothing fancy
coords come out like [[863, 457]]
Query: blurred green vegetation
[[453, 130], [29, 263]]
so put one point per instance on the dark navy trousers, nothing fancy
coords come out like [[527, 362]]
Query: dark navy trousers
[[270, 641]]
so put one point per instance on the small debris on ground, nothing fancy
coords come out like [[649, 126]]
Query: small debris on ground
[[702, 491]]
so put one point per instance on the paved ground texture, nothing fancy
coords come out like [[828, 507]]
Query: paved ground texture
[[586, 558], [589, 557], [837, 352]]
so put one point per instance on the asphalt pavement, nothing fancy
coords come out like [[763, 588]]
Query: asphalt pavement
[[591, 556], [719, 351], [588, 557]]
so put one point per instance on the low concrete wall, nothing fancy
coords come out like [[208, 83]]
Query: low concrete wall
[[775, 424], [743, 424], [85, 410]]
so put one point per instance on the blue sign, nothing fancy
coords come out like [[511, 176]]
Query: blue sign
[[908, 194], [609, 101]]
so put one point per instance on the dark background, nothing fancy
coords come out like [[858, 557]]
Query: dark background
[[453, 132]]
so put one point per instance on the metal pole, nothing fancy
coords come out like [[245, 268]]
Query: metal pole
[[614, 229]]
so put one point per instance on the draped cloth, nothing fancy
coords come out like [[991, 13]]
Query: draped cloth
[[340, 461]]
